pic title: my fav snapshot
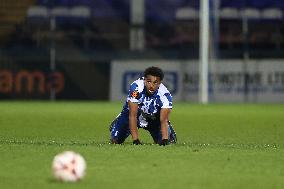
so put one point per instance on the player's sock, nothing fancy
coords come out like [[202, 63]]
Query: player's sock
[[173, 136]]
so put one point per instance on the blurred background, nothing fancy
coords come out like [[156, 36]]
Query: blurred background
[[93, 49]]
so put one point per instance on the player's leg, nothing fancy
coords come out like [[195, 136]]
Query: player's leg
[[172, 134], [155, 131], [113, 122], [119, 129]]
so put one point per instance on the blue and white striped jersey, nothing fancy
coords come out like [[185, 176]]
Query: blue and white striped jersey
[[148, 106]]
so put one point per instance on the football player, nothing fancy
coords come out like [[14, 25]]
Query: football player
[[148, 106]]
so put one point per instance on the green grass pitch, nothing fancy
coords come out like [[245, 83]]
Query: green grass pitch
[[219, 146]]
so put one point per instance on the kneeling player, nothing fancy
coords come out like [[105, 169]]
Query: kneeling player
[[148, 106]]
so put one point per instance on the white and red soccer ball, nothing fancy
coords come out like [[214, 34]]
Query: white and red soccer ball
[[68, 166]]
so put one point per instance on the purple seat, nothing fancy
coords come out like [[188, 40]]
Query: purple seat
[[162, 10], [38, 16], [234, 3]]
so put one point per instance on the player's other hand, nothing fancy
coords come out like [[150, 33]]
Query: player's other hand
[[137, 142], [164, 142]]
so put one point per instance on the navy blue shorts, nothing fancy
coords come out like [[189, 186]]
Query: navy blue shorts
[[119, 130]]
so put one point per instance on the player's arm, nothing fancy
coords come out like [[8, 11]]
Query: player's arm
[[164, 118], [133, 109]]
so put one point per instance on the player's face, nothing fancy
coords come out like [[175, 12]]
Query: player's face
[[152, 83]]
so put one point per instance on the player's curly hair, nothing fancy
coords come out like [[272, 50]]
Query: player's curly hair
[[154, 71]]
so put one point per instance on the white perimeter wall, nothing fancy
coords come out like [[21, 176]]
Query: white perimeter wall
[[232, 80]]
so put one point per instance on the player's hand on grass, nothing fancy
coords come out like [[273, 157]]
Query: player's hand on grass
[[164, 142], [137, 142]]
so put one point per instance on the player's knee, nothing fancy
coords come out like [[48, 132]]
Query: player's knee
[[115, 141], [173, 138], [173, 141]]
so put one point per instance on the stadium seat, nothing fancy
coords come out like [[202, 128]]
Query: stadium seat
[[271, 25], [61, 15], [230, 28], [229, 13], [37, 11], [187, 13], [259, 4], [239, 4], [250, 13], [272, 13], [60, 12], [38, 24], [38, 15], [80, 11], [80, 16], [168, 23], [79, 24]]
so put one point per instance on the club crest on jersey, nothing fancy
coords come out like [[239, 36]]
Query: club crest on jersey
[[135, 94]]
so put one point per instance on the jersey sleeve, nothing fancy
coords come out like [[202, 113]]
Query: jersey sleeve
[[133, 93], [167, 101]]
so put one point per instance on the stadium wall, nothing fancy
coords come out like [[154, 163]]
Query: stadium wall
[[71, 80], [255, 81]]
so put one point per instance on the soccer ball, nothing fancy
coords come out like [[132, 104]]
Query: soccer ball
[[68, 166]]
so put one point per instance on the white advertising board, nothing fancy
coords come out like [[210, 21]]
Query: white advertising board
[[231, 80], [123, 73]]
